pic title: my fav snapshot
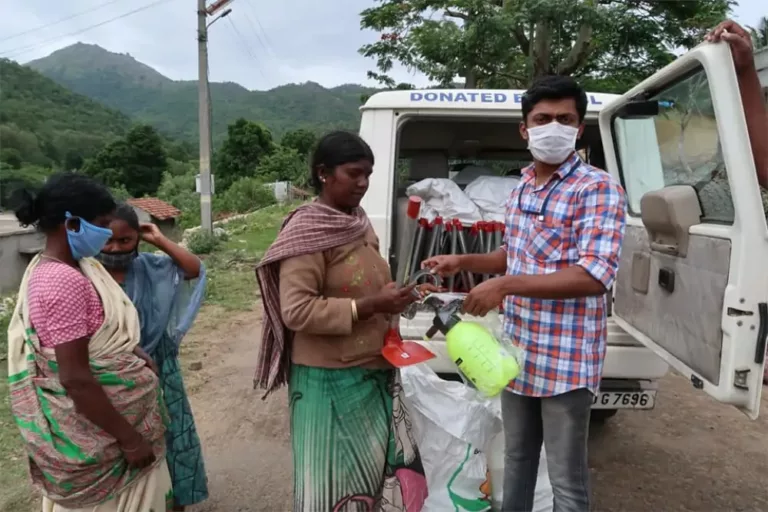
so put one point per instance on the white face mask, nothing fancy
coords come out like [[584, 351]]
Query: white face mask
[[552, 143]]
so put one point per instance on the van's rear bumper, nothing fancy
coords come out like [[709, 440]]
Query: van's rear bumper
[[621, 361]]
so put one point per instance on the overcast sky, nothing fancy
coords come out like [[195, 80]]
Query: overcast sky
[[260, 45]]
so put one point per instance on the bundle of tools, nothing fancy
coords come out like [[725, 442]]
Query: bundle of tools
[[450, 236]]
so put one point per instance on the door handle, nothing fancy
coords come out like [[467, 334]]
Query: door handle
[[762, 332], [665, 248]]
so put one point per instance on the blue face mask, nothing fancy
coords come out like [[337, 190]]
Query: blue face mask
[[88, 241]]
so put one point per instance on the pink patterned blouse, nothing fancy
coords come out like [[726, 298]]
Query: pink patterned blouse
[[63, 304]]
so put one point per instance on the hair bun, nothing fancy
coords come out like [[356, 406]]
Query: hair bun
[[24, 204]]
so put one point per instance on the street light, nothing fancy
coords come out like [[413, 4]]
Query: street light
[[217, 18], [204, 100]]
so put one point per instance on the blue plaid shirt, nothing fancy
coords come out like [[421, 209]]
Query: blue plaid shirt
[[576, 218]]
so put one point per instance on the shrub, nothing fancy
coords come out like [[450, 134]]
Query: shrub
[[202, 242], [245, 195]]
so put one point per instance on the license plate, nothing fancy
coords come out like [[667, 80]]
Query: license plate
[[624, 400]]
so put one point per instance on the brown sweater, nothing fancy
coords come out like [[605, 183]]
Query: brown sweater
[[316, 293]]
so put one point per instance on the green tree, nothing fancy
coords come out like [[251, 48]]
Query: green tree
[[136, 162], [284, 164], [180, 150], [73, 161], [12, 179], [247, 143], [75, 147], [25, 142], [180, 168], [11, 157], [301, 140], [760, 34], [506, 43], [180, 192], [120, 193]]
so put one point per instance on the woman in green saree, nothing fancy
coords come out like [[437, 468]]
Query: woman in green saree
[[87, 404], [167, 291]]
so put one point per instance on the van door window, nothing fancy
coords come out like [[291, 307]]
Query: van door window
[[680, 146]]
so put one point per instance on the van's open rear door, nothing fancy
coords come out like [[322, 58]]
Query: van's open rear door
[[693, 278]]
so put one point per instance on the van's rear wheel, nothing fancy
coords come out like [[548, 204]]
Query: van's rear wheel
[[602, 415]]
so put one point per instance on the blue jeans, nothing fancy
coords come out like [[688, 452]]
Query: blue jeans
[[562, 423]]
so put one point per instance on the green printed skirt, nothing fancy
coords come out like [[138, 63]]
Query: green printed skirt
[[352, 443]]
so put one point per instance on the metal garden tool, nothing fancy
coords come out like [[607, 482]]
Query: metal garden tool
[[397, 352], [468, 279]]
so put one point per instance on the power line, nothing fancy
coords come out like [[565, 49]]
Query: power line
[[16, 52], [73, 16], [255, 31], [268, 45], [244, 42]]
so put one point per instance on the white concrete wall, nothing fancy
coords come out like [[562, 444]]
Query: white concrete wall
[[143, 216], [16, 251], [761, 62]]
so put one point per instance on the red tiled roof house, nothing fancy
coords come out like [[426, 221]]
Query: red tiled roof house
[[164, 215]]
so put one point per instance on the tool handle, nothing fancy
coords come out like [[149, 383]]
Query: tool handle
[[404, 263]]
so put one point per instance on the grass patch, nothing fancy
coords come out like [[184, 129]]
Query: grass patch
[[231, 276], [15, 492]]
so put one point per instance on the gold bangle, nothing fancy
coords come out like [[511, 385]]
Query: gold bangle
[[354, 311]]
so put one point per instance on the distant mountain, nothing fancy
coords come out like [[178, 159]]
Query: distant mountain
[[121, 82], [41, 122]]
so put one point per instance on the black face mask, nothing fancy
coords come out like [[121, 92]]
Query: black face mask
[[117, 260]]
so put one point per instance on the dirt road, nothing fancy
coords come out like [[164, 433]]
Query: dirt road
[[689, 454]]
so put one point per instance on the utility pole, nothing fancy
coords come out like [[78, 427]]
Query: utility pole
[[204, 100], [206, 218]]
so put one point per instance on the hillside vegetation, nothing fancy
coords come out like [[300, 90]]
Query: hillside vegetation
[[44, 124], [121, 82]]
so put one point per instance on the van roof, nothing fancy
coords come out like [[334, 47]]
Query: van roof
[[464, 99]]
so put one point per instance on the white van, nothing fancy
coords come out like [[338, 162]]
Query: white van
[[692, 287], [433, 129]]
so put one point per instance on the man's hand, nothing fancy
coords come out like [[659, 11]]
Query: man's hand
[[484, 297], [428, 288], [740, 42], [151, 234], [445, 265]]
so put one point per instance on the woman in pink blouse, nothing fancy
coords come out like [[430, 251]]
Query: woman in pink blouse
[[85, 397]]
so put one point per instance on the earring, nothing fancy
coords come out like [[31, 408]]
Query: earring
[[322, 179]]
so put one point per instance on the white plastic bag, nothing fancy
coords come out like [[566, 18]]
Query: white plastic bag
[[443, 198], [490, 194], [452, 425]]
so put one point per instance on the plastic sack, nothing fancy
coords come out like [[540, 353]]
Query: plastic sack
[[490, 194], [444, 198], [461, 443], [471, 172], [452, 425]]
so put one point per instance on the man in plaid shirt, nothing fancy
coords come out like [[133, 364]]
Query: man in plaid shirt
[[564, 228]]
